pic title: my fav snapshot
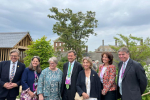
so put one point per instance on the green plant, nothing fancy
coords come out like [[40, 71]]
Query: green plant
[[42, 48]]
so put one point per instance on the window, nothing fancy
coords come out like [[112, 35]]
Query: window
[[59, 44], [56, 44]]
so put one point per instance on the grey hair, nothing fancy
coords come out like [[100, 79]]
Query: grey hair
[[14, 50], [124, 49], [53, 59]]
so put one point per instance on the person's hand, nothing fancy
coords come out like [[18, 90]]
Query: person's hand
[[85, 96], [13, 85], [41, 97], [31, 94], [7, 86]]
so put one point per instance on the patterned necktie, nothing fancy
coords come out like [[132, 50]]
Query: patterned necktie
[[68, 75], [12, 72], [122, 73]]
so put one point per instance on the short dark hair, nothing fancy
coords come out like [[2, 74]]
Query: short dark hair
[[109, 55], [72, 51]]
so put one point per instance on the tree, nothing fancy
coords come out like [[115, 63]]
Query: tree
[[74, 28], [42, 48], [139, 50]]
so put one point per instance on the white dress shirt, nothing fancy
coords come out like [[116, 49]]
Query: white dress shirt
[[120, 73], [11, 65]]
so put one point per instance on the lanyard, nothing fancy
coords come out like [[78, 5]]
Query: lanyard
[[69, 70], [122, 70], [35, 74]]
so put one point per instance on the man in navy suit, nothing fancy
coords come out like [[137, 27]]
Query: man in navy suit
[[10, 76], [71, 70]]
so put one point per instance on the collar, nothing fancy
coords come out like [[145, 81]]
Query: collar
[[72, 63], [126, 61], [14, 62]]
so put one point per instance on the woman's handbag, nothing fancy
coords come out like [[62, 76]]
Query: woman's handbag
[[77, 97], [25, 95]]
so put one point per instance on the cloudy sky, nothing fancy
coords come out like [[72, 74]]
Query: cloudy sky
[[114, 16]]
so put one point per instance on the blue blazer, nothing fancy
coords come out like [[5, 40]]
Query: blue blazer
[[27, 79], [4, 77], [95, 90]]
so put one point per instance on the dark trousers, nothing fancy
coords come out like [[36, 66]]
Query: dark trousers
[[111, 95], [66, 94]]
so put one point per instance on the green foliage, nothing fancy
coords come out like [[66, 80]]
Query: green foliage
[[147, 71], [42, 48], [74, 29], [62, 62], [139, 51]]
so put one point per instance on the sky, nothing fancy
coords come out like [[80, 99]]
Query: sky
[[114, 17]]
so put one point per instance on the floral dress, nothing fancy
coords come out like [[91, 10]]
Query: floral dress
[[49, 84]]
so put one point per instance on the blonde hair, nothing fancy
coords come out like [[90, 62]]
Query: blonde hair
[[89, 60]]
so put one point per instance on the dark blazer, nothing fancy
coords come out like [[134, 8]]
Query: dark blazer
[[4, 77], [134, 81], [95, 90], [76, 69]]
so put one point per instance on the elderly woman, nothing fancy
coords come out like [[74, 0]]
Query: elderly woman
[[49, 83], [88, 82], [29, 79], [107, 73]]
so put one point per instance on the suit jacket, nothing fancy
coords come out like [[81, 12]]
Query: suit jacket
[[95, 90], [134, 81], [4, 77], [108, 78], [76, 69]]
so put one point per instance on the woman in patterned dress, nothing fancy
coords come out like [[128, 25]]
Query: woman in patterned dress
[[49, 83], [107, 74]]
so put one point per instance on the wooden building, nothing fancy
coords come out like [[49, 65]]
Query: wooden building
[[15, 40]]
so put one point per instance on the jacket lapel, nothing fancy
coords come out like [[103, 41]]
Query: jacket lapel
[[74, 68], [8, 69], [17, 69], [66, 70], [127, 68], [92, 76]]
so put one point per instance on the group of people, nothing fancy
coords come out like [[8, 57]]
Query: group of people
[[76, 79]]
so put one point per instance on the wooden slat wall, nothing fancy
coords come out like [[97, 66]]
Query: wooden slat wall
[[25, 42], [4, 54]]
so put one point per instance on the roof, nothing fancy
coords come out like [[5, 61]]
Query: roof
[[105, 48], [9, 40], [57, 40]]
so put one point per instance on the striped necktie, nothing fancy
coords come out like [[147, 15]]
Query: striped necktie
[[12, 72]]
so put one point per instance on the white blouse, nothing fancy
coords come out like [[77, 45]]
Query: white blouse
[[88, 87], [102, 74]]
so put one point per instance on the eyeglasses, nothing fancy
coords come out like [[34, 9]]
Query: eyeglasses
[[51, 63], [13, 56]]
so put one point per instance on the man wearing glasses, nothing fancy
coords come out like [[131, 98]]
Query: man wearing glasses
[[10, 76]]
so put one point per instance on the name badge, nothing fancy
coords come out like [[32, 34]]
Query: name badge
[[68, 81]]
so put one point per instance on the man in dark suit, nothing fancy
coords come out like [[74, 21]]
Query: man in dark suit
[[10, 76], [132, 81], [71, 70]]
